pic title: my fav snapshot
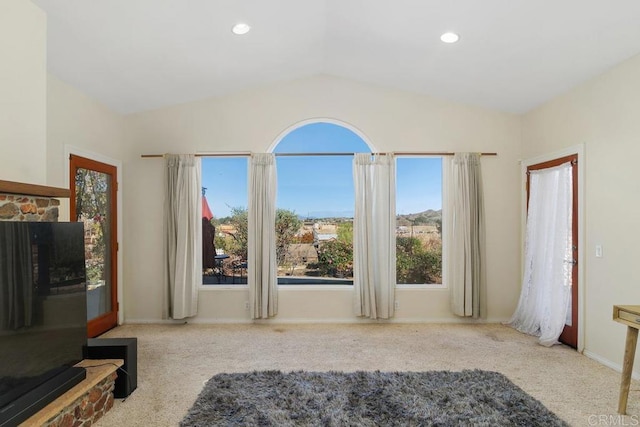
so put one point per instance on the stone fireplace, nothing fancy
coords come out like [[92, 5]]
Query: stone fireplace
[[28, 208], [26, 202]]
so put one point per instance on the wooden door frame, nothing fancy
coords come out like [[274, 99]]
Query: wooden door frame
[[577, 150], [71, 150]]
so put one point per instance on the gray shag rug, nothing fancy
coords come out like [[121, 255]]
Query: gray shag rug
[[437, 398]]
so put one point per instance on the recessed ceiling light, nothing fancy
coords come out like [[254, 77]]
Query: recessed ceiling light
[[449, 37], [241, 28]]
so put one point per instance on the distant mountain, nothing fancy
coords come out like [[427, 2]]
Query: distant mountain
[[428, 217], [327, 215], [420, 218]]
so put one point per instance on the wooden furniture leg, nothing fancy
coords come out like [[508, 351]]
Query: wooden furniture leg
[[627, 368]]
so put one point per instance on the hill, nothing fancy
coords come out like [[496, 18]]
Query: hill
[[429, 216]]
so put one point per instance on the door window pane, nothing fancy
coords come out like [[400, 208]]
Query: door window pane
[[93, 208]]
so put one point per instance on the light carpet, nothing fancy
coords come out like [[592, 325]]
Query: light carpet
[[175, 361]]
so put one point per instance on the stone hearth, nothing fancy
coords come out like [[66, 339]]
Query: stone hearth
[[86, 402]]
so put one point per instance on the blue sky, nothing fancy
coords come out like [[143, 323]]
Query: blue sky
[[321, 185], [226, 180]]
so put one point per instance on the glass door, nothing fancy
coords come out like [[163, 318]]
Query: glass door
[[93, 202], [569, 334]]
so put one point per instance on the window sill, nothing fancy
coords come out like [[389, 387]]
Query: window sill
[[315, 287], [425, 286], [216, 287]]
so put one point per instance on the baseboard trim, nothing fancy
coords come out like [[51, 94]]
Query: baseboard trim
[[608, 363], [154, 321], [306, 321]]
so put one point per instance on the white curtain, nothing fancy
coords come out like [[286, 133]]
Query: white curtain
[[374, 238], [546, 285], [182, 236], [262, 264], [466, 244]]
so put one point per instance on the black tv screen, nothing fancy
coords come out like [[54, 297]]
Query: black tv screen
[[43, 303]]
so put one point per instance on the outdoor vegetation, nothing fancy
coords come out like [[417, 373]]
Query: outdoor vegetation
[[92, 189], [317, 248], [417, 263], [233, 243], [418, 245], [335, 257]]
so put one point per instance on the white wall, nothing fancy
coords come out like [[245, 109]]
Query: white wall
[[23, 79], [76, 120], [603, 115], [251, 120], [80, 125]]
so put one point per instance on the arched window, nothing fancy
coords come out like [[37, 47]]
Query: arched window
[[315, 209], [315, 203]]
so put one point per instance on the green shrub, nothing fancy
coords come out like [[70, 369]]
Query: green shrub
[[416, 263], [335, 259]]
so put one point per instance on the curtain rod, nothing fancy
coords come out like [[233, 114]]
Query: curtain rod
[[248, 154]]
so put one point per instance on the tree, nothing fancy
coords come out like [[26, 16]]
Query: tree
[[307, 237], [335, 257], [287, 226], [92, 188], [239, 219]]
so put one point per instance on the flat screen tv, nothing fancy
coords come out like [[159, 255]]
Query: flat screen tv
[[43, 314]]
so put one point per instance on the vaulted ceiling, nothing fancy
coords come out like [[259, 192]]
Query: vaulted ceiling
[[513, 55]]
